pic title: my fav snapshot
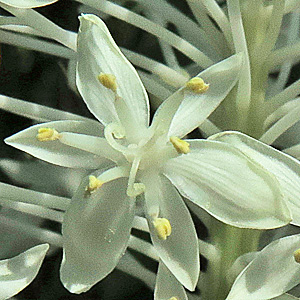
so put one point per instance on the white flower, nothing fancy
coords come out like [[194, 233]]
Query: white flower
[[271, 273], [135, 160], [18, 272]]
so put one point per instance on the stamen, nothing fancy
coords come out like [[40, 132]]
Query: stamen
[[134, 189], [173, 298], [94, 184], [180, 145], [197, 85], [297, 256], [163, 228], [114, 130], [108, 80], [114, 173], [47, 134]]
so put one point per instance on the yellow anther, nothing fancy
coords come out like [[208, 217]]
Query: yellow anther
[[163, 228], [108, 80], [197, 85], [297, 256], [180, 145], [47, 134], [94, 184], [173, 298]]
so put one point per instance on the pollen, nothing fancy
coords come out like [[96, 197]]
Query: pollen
[[180, 145], [163, 228], [108, 80], [197, 85], [94, 184], [47, 134], [297, 256]]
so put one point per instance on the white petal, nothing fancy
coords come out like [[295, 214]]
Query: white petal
[[284, 167], [54, 151], [195, 108], [96, 230], [18, 272], [181, 260], [239, 265], [273, 272], [286, 297], [229, 185], [167, 286], [28, 3], [97, 52]]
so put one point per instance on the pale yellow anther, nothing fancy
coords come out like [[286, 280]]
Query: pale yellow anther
[[94, 184], [163, 228], [197, 85], [173, 298], [297, 256], [108, 80], [47, 134], [180, 145]]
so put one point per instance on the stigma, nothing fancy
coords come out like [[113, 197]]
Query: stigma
[[163, 228], [94, 184], [297, 256], [182, 147], [197, 85], [47, 134], [108, 80]]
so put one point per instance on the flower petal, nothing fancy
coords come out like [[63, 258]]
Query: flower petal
[[18, 272], [181, 260], [284, 167], [279, 273], [195, 108], [96, 230], [97, 52], [167, 286], [28, 3], [229, 185], [54, 151], [286, 297]]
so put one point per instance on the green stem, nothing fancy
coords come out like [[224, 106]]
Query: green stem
[[231, 242]]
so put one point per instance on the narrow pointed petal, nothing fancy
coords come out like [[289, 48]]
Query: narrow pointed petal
[[28, 3], [167, 286], [54, 151], [181, 260], [18, 272], [284, 167], [280, 272], [195, 108], [229, 185], [98, 53], [96, 230]]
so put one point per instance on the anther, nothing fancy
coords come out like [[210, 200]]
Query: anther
[[108, 80], [297, 256], [173, 298], [47, 134], [180, 145], [197, 85], [137, 189], [94, 184], [163, 228]]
